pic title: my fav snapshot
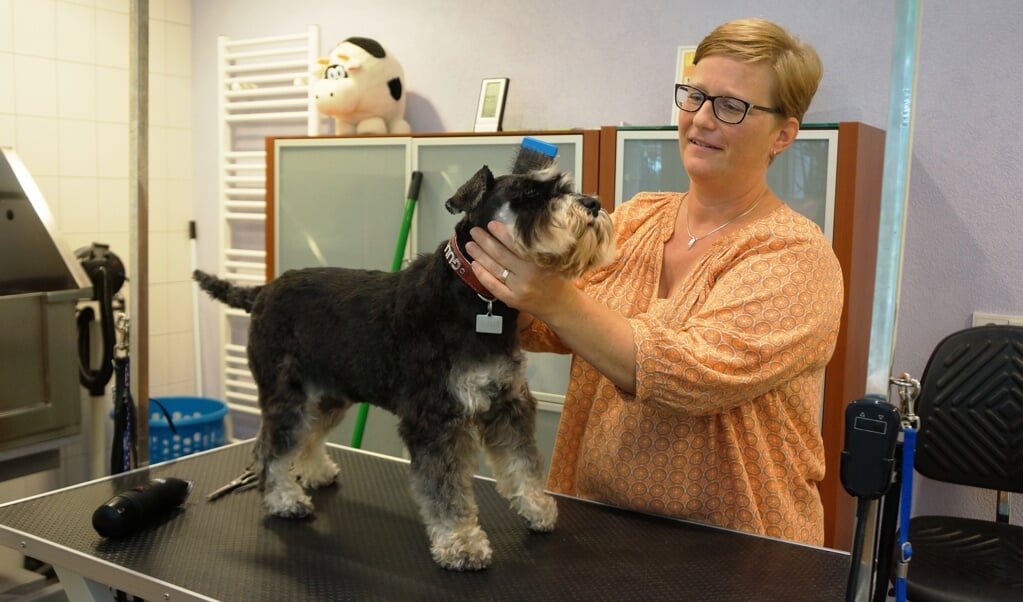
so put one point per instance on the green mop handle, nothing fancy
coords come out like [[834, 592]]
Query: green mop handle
[[399, 257], [406, 221]]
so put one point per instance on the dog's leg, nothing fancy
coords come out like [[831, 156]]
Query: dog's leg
[[507, 430], [441, 478], [284, 424], [313, 467]]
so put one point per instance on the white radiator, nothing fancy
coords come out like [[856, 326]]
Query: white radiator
[[263, 90]]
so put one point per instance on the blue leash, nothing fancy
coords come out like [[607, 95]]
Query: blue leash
[[905, 547], [909, 389]]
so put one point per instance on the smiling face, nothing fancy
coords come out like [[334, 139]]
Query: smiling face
[[718, 153]]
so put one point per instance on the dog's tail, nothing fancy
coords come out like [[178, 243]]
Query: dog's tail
[[241, 297]]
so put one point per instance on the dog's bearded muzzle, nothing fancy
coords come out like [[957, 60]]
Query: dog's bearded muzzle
[[576, 237]]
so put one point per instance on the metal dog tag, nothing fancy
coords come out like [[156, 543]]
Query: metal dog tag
[[489, 323]]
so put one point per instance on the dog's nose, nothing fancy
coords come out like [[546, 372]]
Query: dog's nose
[[592, 204]]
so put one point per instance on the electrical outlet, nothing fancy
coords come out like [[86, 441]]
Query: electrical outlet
[[983, 319]]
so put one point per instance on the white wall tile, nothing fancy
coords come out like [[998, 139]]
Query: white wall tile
[[77, 148], [159, 359], [157, 46], [76, 33], [7, 130], [157, 152], [113, 205], [112, 43], [6, 25], [179, 153], [178, 91], [35, 139], [157, 9], [34, 30], [119, 6], [178, 50], [35, 85], [76, 91], [49, 186], [6, 81], [158, 102], [112, 147], [77, 240], [112, 94], [158, 270], [179, 205], [161, 391], [179, 11], [79, 211], [182, 346], [179, 268], [157, 205]]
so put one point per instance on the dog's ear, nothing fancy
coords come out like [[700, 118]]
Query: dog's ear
[[472, 192]]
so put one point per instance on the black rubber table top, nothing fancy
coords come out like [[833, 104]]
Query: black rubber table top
[[365, 542]]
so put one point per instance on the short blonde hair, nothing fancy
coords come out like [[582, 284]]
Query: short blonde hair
[[796, 67]]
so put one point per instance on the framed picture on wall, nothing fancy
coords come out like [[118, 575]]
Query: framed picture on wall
[[490, 110], [683, 73]]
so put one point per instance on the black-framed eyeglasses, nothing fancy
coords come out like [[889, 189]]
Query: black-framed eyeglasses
[[726, 108]]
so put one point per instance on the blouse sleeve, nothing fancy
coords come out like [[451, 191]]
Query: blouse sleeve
[[770, 312]]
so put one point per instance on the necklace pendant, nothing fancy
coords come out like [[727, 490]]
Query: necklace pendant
[[692, 241]]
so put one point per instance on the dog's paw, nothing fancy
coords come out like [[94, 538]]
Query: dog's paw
[[288, 504], [540, 511], [467, 550], [320, 475]]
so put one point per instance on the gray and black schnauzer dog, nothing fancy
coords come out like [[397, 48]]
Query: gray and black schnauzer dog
[[427, 343]]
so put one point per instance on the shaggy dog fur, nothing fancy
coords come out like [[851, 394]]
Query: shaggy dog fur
[[321, 339]]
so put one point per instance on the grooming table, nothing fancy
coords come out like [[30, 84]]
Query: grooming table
[[365, 542]]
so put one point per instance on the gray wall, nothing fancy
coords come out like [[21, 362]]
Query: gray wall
[[578, 63]]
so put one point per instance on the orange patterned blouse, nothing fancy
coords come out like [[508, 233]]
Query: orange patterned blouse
[[724, 426]]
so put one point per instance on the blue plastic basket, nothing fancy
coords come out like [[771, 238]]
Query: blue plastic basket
[[199, 422]]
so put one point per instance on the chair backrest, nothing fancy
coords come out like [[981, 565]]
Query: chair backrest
[[971, 409]]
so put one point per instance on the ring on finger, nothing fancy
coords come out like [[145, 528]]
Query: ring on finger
[[504, 275]]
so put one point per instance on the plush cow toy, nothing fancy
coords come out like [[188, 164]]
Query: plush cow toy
[[361, 86]]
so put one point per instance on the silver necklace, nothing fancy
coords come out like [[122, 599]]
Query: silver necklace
[[693, 239]]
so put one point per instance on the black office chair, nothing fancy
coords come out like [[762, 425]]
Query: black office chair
[[971, 433]]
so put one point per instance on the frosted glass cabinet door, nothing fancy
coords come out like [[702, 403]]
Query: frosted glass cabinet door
[[339, 202], [803, 176]]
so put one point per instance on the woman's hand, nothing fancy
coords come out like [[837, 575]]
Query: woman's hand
[[597, 334], [525, 287]]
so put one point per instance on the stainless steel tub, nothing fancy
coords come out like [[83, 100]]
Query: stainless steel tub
[[40, 285]]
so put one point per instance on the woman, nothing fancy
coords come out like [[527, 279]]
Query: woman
[[700, 351]]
